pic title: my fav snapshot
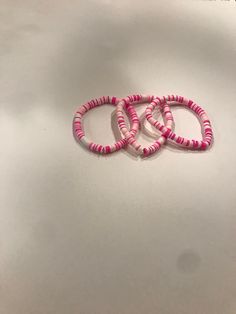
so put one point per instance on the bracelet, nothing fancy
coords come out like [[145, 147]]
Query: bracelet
[[168, 119], [97, 148], [170, 135]]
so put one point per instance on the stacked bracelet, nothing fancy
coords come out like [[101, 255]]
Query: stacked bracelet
[[129, 134]]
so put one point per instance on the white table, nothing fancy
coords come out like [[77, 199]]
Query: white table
[[115, 235]]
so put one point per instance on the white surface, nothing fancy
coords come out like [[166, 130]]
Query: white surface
[[107, 235]]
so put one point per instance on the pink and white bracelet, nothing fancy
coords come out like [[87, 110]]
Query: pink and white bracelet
[[97, 148], [170, 135], [168, 118]]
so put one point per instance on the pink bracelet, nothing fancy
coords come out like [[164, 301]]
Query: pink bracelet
[[181, 141], [168, 118], [78, 129]]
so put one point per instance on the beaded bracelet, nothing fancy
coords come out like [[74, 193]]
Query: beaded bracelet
[[181, 141], [168, 118], [78, 129]]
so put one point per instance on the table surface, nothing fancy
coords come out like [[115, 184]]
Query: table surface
[[86, 234]]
